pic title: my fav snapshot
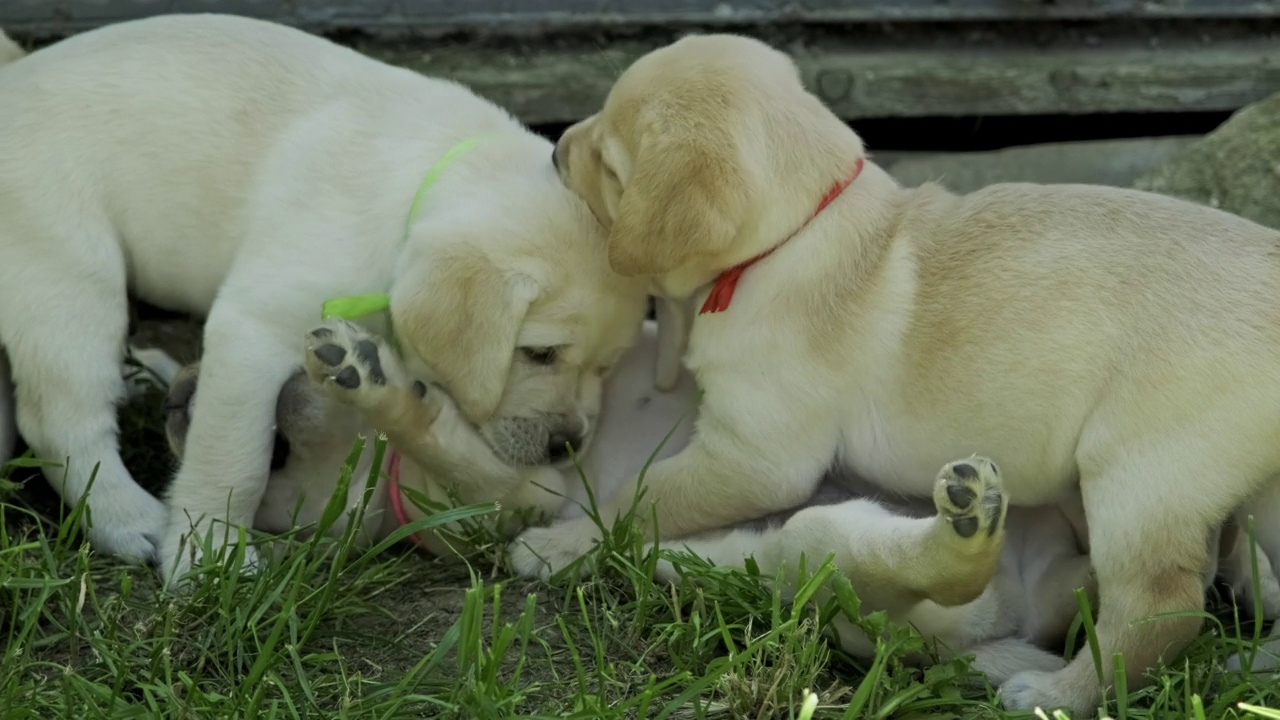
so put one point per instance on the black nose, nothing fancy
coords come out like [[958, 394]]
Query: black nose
[[558, 446], [555, 157]]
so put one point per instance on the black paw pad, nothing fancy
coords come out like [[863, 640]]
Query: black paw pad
[[419, 389], [348, 378], [964, 470], [367, 351], [966, 526], [322, 333], [960, 496], [330, 354]]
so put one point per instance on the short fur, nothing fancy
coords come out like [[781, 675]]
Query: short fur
[[248, 171], [1117, 343]]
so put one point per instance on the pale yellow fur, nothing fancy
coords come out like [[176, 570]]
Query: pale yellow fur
[[1112, 343]]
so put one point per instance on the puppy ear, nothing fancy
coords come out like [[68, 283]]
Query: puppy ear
[[461, 315], [673, 334], [687, 196]]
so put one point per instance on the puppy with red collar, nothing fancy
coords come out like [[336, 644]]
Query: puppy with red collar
[[1120, 345]]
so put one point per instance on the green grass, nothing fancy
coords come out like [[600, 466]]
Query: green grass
[[328, 631]]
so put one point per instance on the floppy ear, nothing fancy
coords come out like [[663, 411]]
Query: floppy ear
[[673, 334], [461, 315], [687, 196]]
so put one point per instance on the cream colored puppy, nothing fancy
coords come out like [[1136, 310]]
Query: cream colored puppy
[[1116, 342], [442, 456], [243, 169]]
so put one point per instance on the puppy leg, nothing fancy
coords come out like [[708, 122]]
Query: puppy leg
[[740, 464], [893, 560], [1149, 553], [63, 320], [1265, 509], [1049, 566], [932, 573], [8, 430], [420, 420], [227, 456], [1001, 659], [157, 367], [1236, 569]]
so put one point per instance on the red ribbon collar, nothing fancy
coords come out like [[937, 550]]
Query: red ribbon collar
[[722, 291], [397, 502]]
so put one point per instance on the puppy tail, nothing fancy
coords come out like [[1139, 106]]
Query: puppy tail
[[9, 50]]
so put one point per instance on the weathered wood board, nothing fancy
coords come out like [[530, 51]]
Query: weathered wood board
[[548, 84], [533, 16]]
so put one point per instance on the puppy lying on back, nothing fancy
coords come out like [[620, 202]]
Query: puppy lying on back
[[1114, 343], [909, 559], [247, 171], [442, 457]]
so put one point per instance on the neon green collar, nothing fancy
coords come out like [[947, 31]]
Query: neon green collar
[[354, 306]]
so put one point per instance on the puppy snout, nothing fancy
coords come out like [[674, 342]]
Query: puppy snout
[[559, 443]]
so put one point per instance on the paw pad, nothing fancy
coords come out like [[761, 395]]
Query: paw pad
[[969, 494]]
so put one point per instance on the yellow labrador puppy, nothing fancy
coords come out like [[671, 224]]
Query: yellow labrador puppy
[[1116, 343], [248, 171]]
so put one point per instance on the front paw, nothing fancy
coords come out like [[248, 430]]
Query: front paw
[[354, 366], [1026, 691], [543, 551], [184, 549]]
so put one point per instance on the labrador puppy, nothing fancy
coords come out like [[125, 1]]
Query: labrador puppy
[[443, 458], [1114, 343], [248, 171]]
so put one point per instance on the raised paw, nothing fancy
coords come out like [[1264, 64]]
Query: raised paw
[[970, 497], [968, 532], [353, 365]]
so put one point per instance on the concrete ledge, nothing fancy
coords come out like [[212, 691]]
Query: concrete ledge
[[1104, 162]]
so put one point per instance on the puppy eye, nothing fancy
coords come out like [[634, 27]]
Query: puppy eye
[[540, 355]]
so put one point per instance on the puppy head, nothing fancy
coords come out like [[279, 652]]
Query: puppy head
[[515, 312], [706, 153]]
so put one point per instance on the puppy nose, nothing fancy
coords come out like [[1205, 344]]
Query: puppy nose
[[558, 445]]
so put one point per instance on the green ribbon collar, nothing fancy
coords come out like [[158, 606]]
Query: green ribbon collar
[[353, 306]]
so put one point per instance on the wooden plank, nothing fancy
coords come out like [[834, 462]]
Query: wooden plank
[[543, 84], [440, 17]]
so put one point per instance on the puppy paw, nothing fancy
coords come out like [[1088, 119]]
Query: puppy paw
[[353, 365], [968, 533], [127, 528], [181, 551], [1047, 691], [543, 551], [970, 498]]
